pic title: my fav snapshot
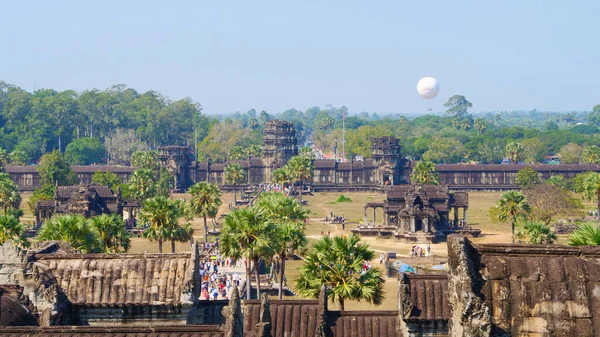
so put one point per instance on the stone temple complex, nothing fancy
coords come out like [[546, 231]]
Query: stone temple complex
[[490, 290], [385, 167]]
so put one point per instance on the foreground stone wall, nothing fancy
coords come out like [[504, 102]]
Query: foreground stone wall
[[523, 290]]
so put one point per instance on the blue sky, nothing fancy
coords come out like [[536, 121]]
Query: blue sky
[[274, 55]]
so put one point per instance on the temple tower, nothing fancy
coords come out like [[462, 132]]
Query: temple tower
[[386, 155], [177, 159], [279, 145]]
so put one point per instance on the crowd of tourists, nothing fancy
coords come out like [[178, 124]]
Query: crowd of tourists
[[418, 251], [215, 284]]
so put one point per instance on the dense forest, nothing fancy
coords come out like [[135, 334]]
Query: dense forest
[[107, 126]]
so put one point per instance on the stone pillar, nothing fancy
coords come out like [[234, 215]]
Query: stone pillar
[[465, 217], [263, 328], [455, 216], [386, 218], [426, 225], [374, 215], [365, 216], [234, 321], [412, 224]]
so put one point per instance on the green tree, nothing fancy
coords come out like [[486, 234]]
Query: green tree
[[425, 173], [162, 216], [534, 151], [536, 233], [457, 106], [18, 157], [591, 155], [73, 229], [300, 169], [571, 154], [142, 184], [205, 202], [444, 150], [45, 192], [10, 198], [12, 230], [588, 234], [55, 169], [247, 234], [558, 181], [109, 179], [234, 174], [145, 160], [527, 177], [514, 151], [111, 233], [85, 151], [512, 206], [337, 263]]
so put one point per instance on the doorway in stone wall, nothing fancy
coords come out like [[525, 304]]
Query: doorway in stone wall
[[418, 224]]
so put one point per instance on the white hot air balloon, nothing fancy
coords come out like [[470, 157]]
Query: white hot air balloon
[[428, 87]]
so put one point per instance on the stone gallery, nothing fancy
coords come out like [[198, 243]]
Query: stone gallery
[[490, 290]]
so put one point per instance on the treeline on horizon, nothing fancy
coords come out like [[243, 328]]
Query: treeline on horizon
[[108, 126]]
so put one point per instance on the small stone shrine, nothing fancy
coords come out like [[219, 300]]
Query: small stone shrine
[[419, 213]]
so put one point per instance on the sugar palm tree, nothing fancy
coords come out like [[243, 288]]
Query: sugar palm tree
[[588, 234], [591, 186], [9, 193], [289, 239], [73, 229], [280, 176], [300, 169], [480, 125], [205, 202], [111, 233], [514, 150], [145, 159], [338, 263], [12, 230], [246, 234], [425, 173], [538, 233], [234, 174], [162, 216], [280, 208], [142, 184], [512, 206]]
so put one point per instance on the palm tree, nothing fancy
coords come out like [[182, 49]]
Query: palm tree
[[338, 263], [480, 125], [111, 233], [280, 208], [591, 186], [300, 169], [145, 159], [289, 239], [234, 174], [142, 184], [280, 176], [512, 206], [246, 233], [514, 151], [425, 173], [465, 124], [537, 232], [73, 229], [588, 234], [206, 199], [162, 215], [9, 193], [12, 230]]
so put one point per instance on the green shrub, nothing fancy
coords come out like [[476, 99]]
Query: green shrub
[[343, 198]]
